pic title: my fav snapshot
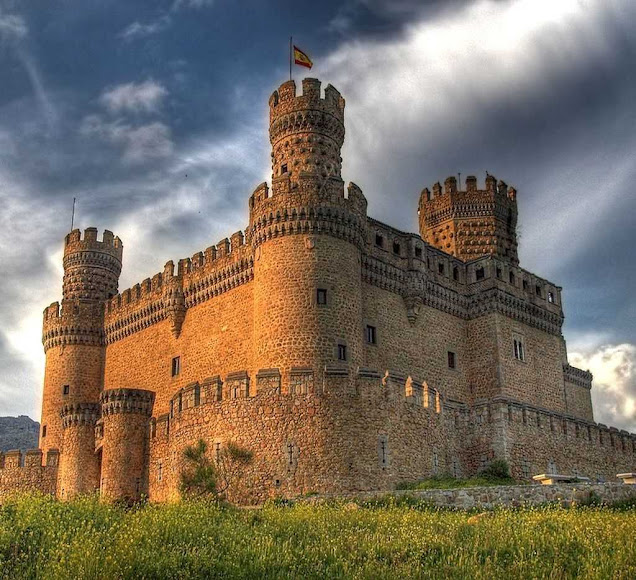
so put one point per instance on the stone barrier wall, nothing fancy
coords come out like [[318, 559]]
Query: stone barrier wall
[[506, 495]]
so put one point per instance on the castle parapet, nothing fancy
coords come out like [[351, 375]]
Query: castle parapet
[[80, 414], [75, 322], [137, 401], [91, 267]]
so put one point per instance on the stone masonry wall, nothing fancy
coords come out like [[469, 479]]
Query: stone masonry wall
[[509, 495], [344, 433], [20, 473]]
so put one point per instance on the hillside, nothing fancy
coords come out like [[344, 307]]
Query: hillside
[[18, 433]]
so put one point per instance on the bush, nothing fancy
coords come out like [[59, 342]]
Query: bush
[[498, 469], [202, 477]]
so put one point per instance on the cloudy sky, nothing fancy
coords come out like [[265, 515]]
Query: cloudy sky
[[153, 115]]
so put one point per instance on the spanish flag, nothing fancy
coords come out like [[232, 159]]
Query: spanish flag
[[301, 58]]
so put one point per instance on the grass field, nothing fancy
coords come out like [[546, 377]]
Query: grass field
[[42, 538]]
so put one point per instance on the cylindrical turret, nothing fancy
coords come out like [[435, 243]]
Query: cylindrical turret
[[126, 417], [307, 237], [73, 334], [79, 465], [91, 268]]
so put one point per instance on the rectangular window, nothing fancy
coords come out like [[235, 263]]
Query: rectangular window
[[379, 240], [525, 284], [66, 389], [43, 431], [418, 252], [283, 168], [519, 348], [342, 352], [511, 278], [321, 296], [455, 273], [537, 289], [176, 366], [498, 273], [371, 335], [396, 248], [440, 267], [550, 297], [197, 395], [452, 360], [479, 274]]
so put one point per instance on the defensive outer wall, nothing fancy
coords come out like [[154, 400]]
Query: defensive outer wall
[[346, 354]]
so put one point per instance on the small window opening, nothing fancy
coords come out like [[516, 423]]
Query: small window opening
[[379, 240], [342, 352], [371, 335], [511, 278], [525, 284], [418, 252], [43, 431], [197, 396], [66, 389], [176, 366], [383, 453], [479, 273], [440, 267], [455, 273], [498, 273], [519, 350], [283, 168], [537, 289], [396, 248], [321, 296], [452, 360], [551, 297], [180, 402]]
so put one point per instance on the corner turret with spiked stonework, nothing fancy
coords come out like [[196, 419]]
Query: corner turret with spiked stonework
[[471, 223]]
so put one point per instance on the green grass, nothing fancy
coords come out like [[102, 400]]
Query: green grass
[[42, 538], [447, 482]]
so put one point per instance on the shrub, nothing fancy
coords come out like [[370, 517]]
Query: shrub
[[202, 477], [497, 469]]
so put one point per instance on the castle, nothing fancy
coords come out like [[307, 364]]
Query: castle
[[346, 354]]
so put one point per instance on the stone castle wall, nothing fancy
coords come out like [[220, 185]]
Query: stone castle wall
[[20, 472], [316, 433]]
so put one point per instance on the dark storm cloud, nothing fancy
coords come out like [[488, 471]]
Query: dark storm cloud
[[154, 115]]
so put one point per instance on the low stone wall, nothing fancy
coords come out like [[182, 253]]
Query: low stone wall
[[505, 495], [28, 475]]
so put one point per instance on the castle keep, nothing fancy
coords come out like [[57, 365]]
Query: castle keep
[[346, 354]]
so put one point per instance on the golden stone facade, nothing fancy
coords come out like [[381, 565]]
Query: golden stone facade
[[346, 354]]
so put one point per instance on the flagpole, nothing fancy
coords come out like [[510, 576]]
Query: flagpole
[[290, 58]]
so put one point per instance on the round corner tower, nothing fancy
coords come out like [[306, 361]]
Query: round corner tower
[[471, 223], [73, 340], [307, 235]]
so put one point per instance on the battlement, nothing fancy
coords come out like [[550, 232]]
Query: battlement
[[131, 401], [492, 187], [74, 322], [91, 267], [471, 222], [512, 412], [285, 99], [15, 459], [170, 293], [75, 242], [80, 414], [390, 386]]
